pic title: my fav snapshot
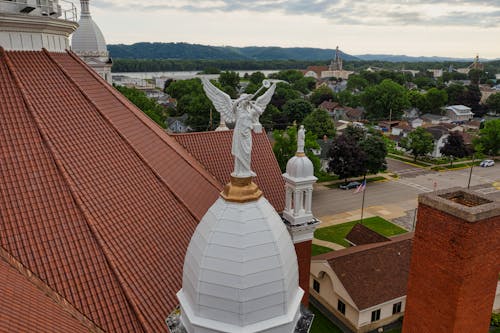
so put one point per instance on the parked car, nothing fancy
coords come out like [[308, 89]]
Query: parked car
[[487, 163], [349, 186]]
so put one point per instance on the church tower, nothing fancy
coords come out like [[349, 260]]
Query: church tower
[[33, 25], [336, 64], [89, 44], [298, 216]]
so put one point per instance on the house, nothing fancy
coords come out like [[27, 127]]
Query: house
[[322, 152], [440, 135], [314, 71], [178, 124], [411, 113], [387, 125], [328, 106], [417, 122], [459, 113], [402, 129], [434, 119], [363, 286], [436, 73]]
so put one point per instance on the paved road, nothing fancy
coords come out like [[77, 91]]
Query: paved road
[[406, 188]]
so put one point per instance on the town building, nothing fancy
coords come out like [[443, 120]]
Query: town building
[[475, 65], [436, 73], [89, 44], [364, 286], [459, 113], [336, 69]]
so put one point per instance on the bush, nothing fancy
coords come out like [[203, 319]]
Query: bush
[[495, 319]]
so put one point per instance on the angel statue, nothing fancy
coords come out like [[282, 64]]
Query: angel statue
[[245, 113]]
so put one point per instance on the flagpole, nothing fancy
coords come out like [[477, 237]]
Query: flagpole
[[363, 202], [471, 168]]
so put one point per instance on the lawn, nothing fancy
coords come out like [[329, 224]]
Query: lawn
[[318, 249], [337, 233], [321, 324]]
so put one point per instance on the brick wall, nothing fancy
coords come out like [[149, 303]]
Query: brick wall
[[304, 260], [453, 273]]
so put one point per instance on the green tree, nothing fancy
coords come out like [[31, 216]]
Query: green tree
[[230, 83], [284, 93], [454, 147], [424, 82], [435, 100], [319, 123], [418, 143], [488, 141], [149, 106], [304, 85], [475, 76], [191, 99], [493, 103], [285, 147], [375, 151], [383, 99], [346, 157], [257, 78], [290, 75], [297, 110], [356, 82], [346, 98], [321, 94]]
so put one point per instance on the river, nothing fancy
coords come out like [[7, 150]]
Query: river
[[184, 75]]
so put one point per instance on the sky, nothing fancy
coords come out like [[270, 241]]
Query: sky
[[454, 28]]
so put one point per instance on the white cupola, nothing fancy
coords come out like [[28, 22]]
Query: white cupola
[[299, 181], [89, 44], [31, 25]]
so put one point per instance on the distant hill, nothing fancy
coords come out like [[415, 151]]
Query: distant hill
[[404, 58], [185, 51]]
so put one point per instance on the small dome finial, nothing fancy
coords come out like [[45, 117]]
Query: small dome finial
[[85, 7]]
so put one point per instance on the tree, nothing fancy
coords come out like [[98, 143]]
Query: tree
[[346, 157], [356, 82], [297, 109], [435, 100], [320, 95], [191, 99], [304, 85], [284, 92], [454, 147], [375, 151], [289, 75], [285, 147], [149, 106], [383, 99], [488, 141], [230, 83], [455, 93], [419, 143], [319, 123], [475, 76], [493, 103]]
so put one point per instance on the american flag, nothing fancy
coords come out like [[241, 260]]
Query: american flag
[[361, 187]]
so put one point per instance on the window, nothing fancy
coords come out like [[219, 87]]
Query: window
[[396, 308], [375, 315], [316, 286], [341, 307]]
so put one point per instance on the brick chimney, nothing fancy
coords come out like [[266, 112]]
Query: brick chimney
[[455, 263]]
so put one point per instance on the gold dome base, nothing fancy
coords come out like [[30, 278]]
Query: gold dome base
[[241, 190]]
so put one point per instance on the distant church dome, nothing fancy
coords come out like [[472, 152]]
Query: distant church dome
[[241, 272], [88, 38]]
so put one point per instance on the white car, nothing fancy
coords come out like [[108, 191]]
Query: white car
[[487, 163]]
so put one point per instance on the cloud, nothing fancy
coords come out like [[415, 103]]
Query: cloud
[[474, 13]]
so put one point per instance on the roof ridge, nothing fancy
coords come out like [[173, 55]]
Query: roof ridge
[[156, 173], [48, 291], [177, 147], [67, 180]]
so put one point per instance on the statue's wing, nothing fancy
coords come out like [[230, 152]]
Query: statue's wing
[[221, 101], [263, 100]]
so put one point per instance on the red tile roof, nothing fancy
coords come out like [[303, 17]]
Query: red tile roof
[[43, 310], [213, 150], [96, 200], [374, 273]]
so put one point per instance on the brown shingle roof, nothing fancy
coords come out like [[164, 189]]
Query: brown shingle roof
[[375, 273], [213, 150], [361, 235], [97, 201]]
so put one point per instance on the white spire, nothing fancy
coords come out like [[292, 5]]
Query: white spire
[[299, 181]]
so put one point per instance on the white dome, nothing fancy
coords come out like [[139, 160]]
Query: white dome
[[240, 272], [88, 38], [300, 167]]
